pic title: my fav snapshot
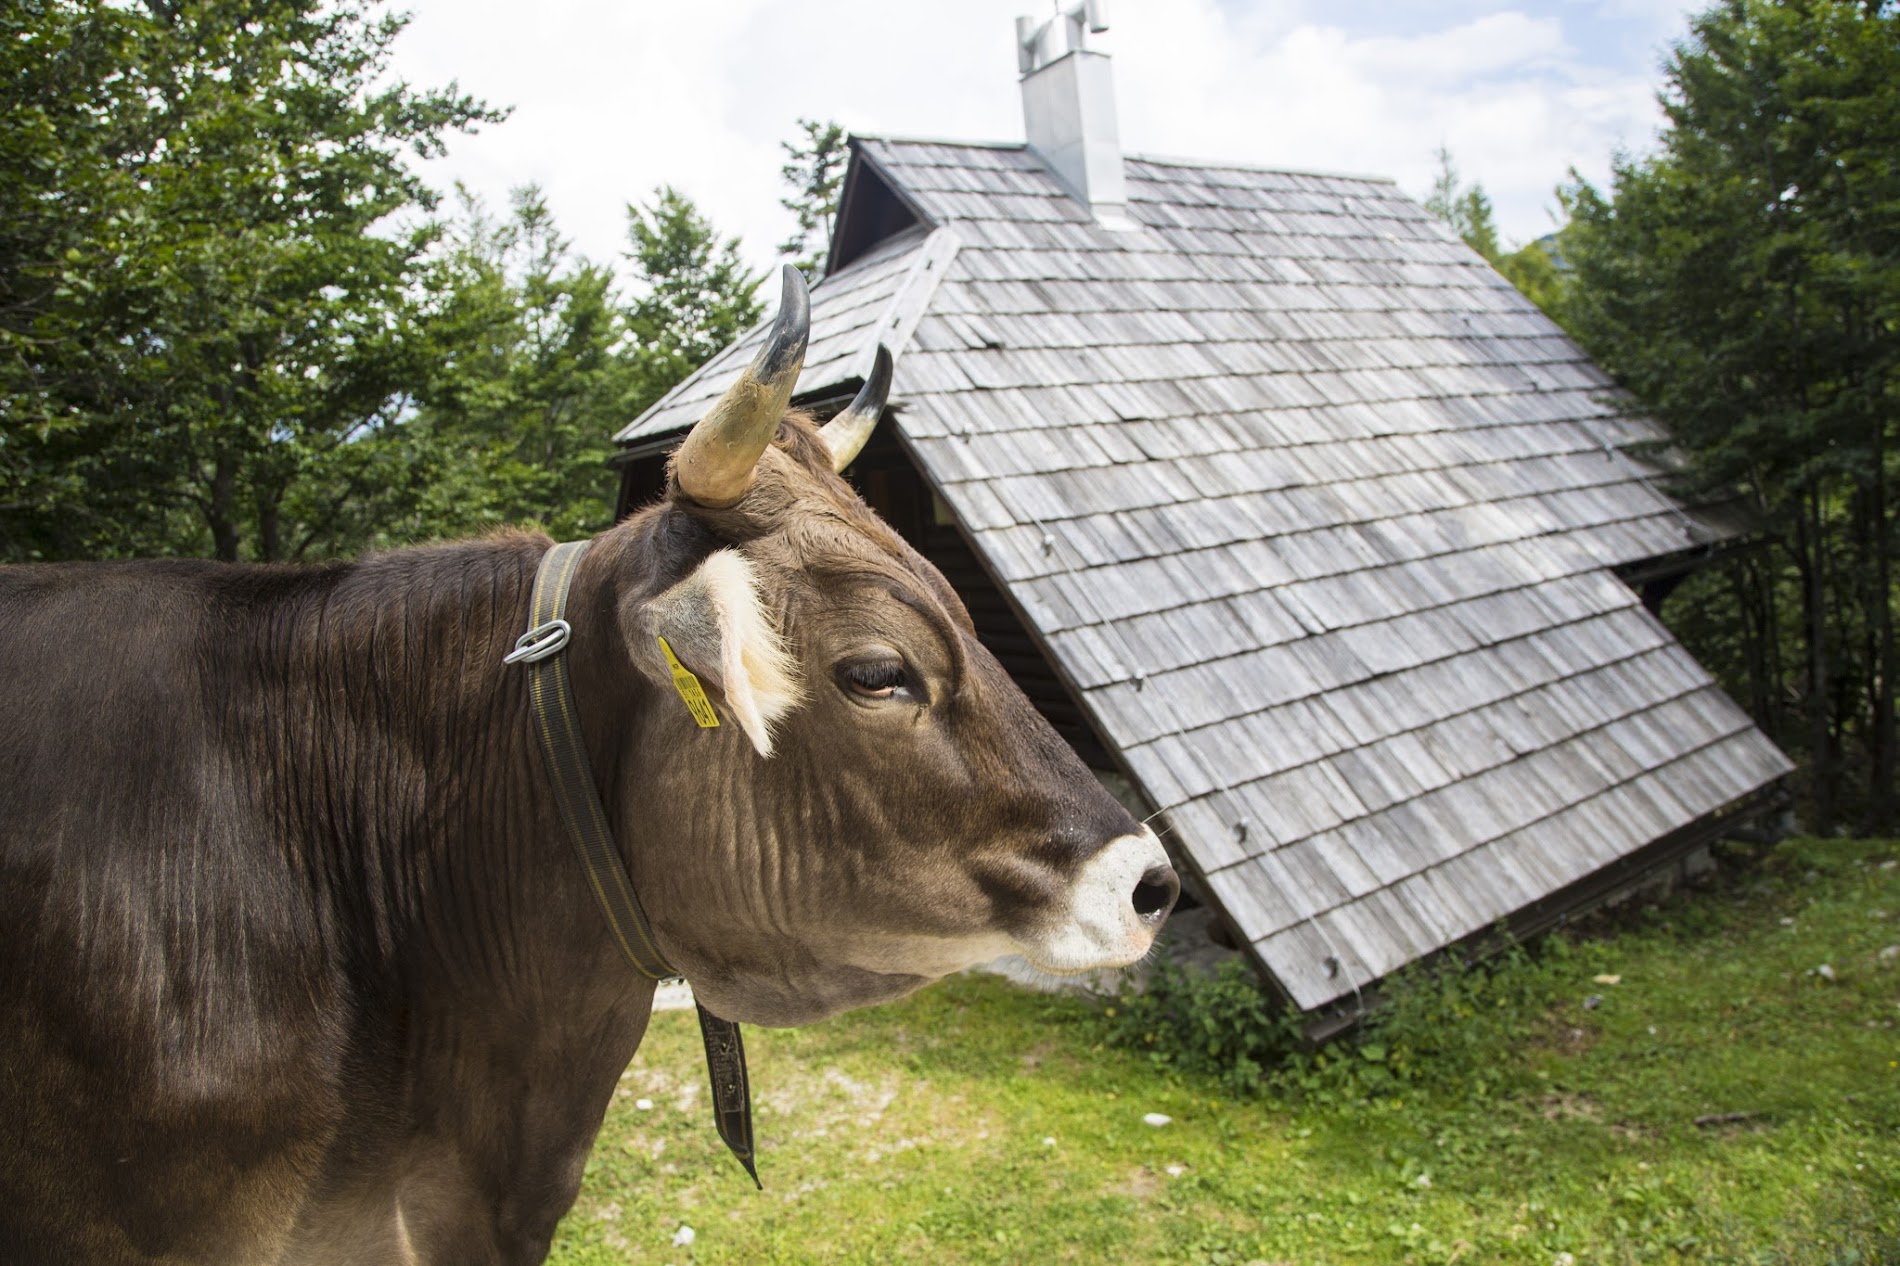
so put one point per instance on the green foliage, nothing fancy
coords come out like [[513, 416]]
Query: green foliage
[[1440, 1025], [1467, 211], [695, 294], [1220, 1025], [1744, 283], [206, 306], [814, 169], [1432, 1024], [528, 381], [228, 325], [1534, 270]]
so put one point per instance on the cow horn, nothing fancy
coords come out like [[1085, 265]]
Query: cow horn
[[714, 466], [846, 433]]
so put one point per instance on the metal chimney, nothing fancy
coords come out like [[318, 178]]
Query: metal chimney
[[1069, 109]]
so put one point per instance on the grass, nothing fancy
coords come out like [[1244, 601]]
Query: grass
[[977, 1123]]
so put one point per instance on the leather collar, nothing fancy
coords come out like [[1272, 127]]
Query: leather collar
[[557, 728]]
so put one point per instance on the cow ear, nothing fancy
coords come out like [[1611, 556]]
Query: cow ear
[[718, 629]]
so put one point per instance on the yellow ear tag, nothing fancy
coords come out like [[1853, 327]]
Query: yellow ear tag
[[690, 690]]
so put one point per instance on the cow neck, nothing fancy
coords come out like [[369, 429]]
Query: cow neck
[[558, 732]]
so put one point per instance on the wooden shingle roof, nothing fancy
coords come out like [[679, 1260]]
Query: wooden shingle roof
[[1317, 514]]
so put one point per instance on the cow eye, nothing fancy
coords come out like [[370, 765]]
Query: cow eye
[[876, 679]]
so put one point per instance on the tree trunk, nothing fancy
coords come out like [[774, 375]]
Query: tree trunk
[[269, 525], [1751, 608], [1880, 612], [1814, 631], [221, 508]]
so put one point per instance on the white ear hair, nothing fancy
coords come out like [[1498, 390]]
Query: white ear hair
[[716, 624]]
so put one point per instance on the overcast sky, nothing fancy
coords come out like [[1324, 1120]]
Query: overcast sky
[[614, 97]]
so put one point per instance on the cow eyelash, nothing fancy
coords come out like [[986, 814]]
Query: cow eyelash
[[876, 679]]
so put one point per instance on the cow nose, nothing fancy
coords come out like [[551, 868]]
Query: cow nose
[[1156, 893]]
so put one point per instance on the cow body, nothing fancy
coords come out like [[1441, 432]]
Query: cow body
[[297, 965]]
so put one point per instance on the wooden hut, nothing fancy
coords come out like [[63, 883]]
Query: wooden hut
[[1284, 506]]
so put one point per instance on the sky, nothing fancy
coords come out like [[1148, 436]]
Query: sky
[[612, 98]]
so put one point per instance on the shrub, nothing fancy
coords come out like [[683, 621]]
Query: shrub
[[1451, 1025], [1221, 1025]]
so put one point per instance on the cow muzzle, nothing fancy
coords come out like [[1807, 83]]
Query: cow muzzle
[[1119, 902]]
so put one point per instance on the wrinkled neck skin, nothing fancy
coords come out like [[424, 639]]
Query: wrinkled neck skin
[[490, 1015]]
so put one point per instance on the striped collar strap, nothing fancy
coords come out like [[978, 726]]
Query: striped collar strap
[[557, 727]]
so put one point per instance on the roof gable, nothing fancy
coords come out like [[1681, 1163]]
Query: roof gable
[[871, 211]]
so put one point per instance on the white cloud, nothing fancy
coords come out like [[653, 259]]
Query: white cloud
[[1506, 93], [1497, 43], [613, 97]]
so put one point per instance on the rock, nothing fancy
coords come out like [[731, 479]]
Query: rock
[[1158, 1119], [1825, 971], [684, 1236]]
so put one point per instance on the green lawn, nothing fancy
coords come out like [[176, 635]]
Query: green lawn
[[977, 1123]]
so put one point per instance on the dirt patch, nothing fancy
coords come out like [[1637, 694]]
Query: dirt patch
[[814, 1103], [1568, 1037], [1141, 1183], [1563, 1105], [1730, 1124], [1033, 1057]]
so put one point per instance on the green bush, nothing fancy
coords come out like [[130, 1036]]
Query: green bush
[[1445, 1024], [1222, 1025]]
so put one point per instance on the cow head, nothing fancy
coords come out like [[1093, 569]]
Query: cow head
[[880, 805]]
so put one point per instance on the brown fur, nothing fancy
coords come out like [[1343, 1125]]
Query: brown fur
[[297, 965]]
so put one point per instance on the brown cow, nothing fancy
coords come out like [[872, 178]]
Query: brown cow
[[297, 965]]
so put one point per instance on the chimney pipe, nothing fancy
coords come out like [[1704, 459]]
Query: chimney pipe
[[1069, 109]]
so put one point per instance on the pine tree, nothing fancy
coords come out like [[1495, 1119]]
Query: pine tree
[[1744, 282], [814, 168], [696, 295], [1466, 210], [529, 372]]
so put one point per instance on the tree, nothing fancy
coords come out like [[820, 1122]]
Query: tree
[[695, 294], [209, 314], [1467, 211], [1744, 282], [814, 169], [1535, 270], [69, 150], [530, 369]]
